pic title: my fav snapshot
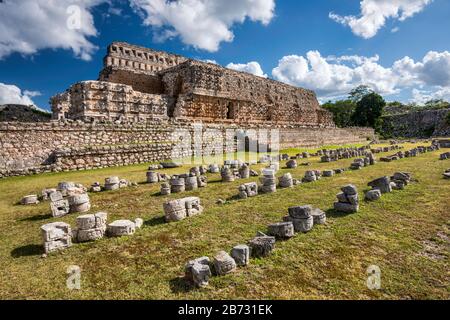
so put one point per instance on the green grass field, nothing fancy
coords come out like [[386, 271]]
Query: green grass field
[[406, 233]]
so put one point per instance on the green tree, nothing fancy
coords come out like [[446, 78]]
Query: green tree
[[369, 110], [342, 112], [359, 92]]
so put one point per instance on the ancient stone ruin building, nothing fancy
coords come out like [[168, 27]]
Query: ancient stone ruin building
[[144, 98], [138, 84]]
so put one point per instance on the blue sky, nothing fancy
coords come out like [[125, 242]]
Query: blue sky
[[399, 47]]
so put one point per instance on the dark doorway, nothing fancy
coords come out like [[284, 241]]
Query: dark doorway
[[230, 111]]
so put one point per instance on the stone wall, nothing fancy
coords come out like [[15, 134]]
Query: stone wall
[[419, 124], [28, 148], [207, 91], [89, 100]]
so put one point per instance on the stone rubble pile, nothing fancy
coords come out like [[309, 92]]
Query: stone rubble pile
[[342, 153], [301, 218], [286, 181], [248, 190], [56, 236], [444, 156], [348, 201], [179, 209], [268, 181], [90, 227], [312, 175]]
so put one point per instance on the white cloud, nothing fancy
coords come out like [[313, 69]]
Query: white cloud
[[252, 67], [203, 24], [422, 96], [11, 94], [27, 26], [374, 14], [333, 77]]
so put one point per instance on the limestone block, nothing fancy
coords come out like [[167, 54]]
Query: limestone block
[[403, 176], [241, 254], [79, 203], [383, 184], [174, 210], [328, 173], [300, 212], [56, 196], [64, 186], [281, 230], [165, 189], [59, 208], [373, 195], [152, 177], [120, 228], [56, 236], [170, 165], [138, 222], [319, 216], [45, 193], [214, 168], [301, 224], [86, 222], [223, 263], [30, 199], [177, 185], [349, 189], [286, 181], [261, 246], [191, 183], [346, 207], [202, 181], [55, 230], [192, 205], [227, 174], [198, 272], [291, 164], [89, 234], [112, 183], [244, 171]]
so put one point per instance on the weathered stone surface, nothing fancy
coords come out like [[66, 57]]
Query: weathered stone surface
[[346, 207], [281, 230], [30, 199], [223, 263], [349, 189], [241, 254], [59, 208], [56, 236], [79, 203], [152, 177], [112, 183], [300, 212], [214, 168], [383, 184], [165, 189], [56, 196], [86, 222], [244, 171], [261, 246], [328, 173], [198, 271], [286, 181], [373, 195], [191, 183], [177, 185], [302, 225], [291, 164], [319, 216], [248, 190], [227, 174], [174, 210], [120, 228], [170, 165]]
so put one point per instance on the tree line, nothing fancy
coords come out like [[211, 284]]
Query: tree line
[[365, 108]]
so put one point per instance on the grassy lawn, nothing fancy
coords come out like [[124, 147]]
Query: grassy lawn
[[406, 233]]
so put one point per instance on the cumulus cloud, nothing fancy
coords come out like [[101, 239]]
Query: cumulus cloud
[[252, 67], [11, 94], [374, 14], [203, 24], [27, 26], [333, 77]]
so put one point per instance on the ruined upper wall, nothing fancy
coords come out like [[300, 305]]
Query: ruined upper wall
[[208, 91], [127, 56]]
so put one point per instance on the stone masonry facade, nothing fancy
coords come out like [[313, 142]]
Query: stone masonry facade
[[143, 98]]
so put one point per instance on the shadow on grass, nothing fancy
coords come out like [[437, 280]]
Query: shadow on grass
[[27, 250], [37, 217], [155, 221], [331, 213], [180, 285]]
